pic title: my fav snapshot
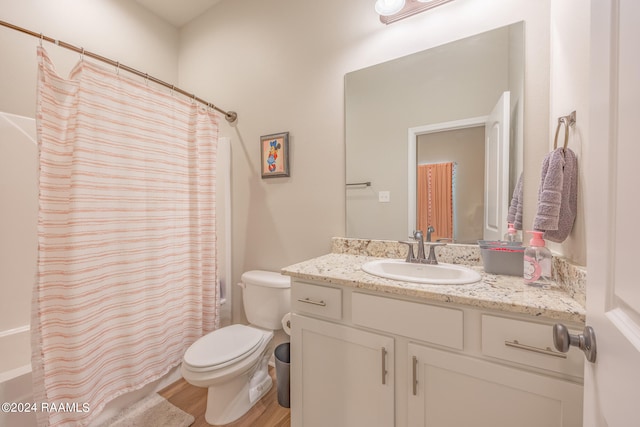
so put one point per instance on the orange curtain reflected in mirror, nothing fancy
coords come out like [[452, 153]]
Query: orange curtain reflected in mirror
[[435, 199]]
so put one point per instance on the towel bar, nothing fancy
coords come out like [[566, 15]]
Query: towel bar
[[365, 184]]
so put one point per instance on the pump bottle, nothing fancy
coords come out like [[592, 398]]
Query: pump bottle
[[512, 234], [537, 261]]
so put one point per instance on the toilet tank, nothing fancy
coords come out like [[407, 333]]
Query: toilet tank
[[266, 297]]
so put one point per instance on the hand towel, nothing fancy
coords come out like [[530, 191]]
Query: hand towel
[[557, 195], [515, 208]]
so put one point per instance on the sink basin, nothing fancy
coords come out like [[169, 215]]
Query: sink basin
[[441, 274]]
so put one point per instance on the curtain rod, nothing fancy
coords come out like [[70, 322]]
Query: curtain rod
[[231, 116]]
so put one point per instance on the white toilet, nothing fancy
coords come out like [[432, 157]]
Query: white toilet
[[232, 362]]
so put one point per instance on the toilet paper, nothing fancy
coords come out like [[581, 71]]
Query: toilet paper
[[286, 323]]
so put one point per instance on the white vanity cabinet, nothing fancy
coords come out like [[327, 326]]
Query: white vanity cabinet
[[347, 376], [340, 375], [371, 359], [456, 390]]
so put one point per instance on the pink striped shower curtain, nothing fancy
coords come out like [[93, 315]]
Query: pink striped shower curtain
[[126, 259]]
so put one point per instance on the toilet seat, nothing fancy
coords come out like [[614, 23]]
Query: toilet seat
[[223, 347]]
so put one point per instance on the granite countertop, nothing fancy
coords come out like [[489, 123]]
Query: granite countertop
[[495, 292]]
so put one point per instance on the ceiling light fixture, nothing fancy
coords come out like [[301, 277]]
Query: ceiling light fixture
[[395, 10]]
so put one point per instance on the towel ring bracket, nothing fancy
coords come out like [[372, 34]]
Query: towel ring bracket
[[569, 120]]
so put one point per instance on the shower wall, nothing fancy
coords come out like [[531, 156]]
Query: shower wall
[[119, 29], [141, 40], [18, 245], [18, 220]]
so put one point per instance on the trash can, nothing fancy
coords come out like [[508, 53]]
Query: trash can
[[282, 355]]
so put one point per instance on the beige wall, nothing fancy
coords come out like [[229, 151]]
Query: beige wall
[[281, 65], [114, 28], [570, 32], [118, 29]]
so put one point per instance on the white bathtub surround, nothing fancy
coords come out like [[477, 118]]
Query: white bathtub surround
[[15, 374], [18, 224], [16, 352], [126, 263]]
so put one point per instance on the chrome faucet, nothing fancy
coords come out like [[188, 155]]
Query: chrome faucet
[[421, 258]]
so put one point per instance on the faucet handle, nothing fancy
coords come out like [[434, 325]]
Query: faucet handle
[[432, 258], [417, 234], [410, 256]]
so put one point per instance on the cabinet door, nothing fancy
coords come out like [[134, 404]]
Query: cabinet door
[[447, 389], [340, 376]]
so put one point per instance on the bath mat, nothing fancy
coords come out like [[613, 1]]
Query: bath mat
[[153, 411]]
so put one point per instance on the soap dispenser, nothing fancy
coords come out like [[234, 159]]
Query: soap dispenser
[[537, 261], [512, 234]]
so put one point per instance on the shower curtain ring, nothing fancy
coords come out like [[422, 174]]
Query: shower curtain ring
[[117, 68], [41, 39], [82, 54]]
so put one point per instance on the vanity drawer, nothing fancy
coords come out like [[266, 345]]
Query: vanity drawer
[[528, 343], [318, 300], [428, 323]]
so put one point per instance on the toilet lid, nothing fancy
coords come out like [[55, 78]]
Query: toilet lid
[[234, 342]]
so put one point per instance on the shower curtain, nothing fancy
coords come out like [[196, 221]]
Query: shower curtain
[[126, 237], [435, 199]]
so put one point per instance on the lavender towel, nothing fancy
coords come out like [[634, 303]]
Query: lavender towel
[[515, 208], [557, 195]]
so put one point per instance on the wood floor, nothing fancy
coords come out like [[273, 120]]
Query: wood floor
[[193, 400]]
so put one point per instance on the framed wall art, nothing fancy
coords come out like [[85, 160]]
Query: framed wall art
[[274, 155]]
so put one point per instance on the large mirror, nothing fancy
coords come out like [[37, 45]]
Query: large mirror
[[434, 109]]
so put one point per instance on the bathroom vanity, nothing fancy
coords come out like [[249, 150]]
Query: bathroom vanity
[[368, 351]]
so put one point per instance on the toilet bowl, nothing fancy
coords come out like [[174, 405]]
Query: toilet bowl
[[232, 362]]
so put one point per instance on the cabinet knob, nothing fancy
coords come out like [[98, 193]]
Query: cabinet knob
[[586, 341]]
